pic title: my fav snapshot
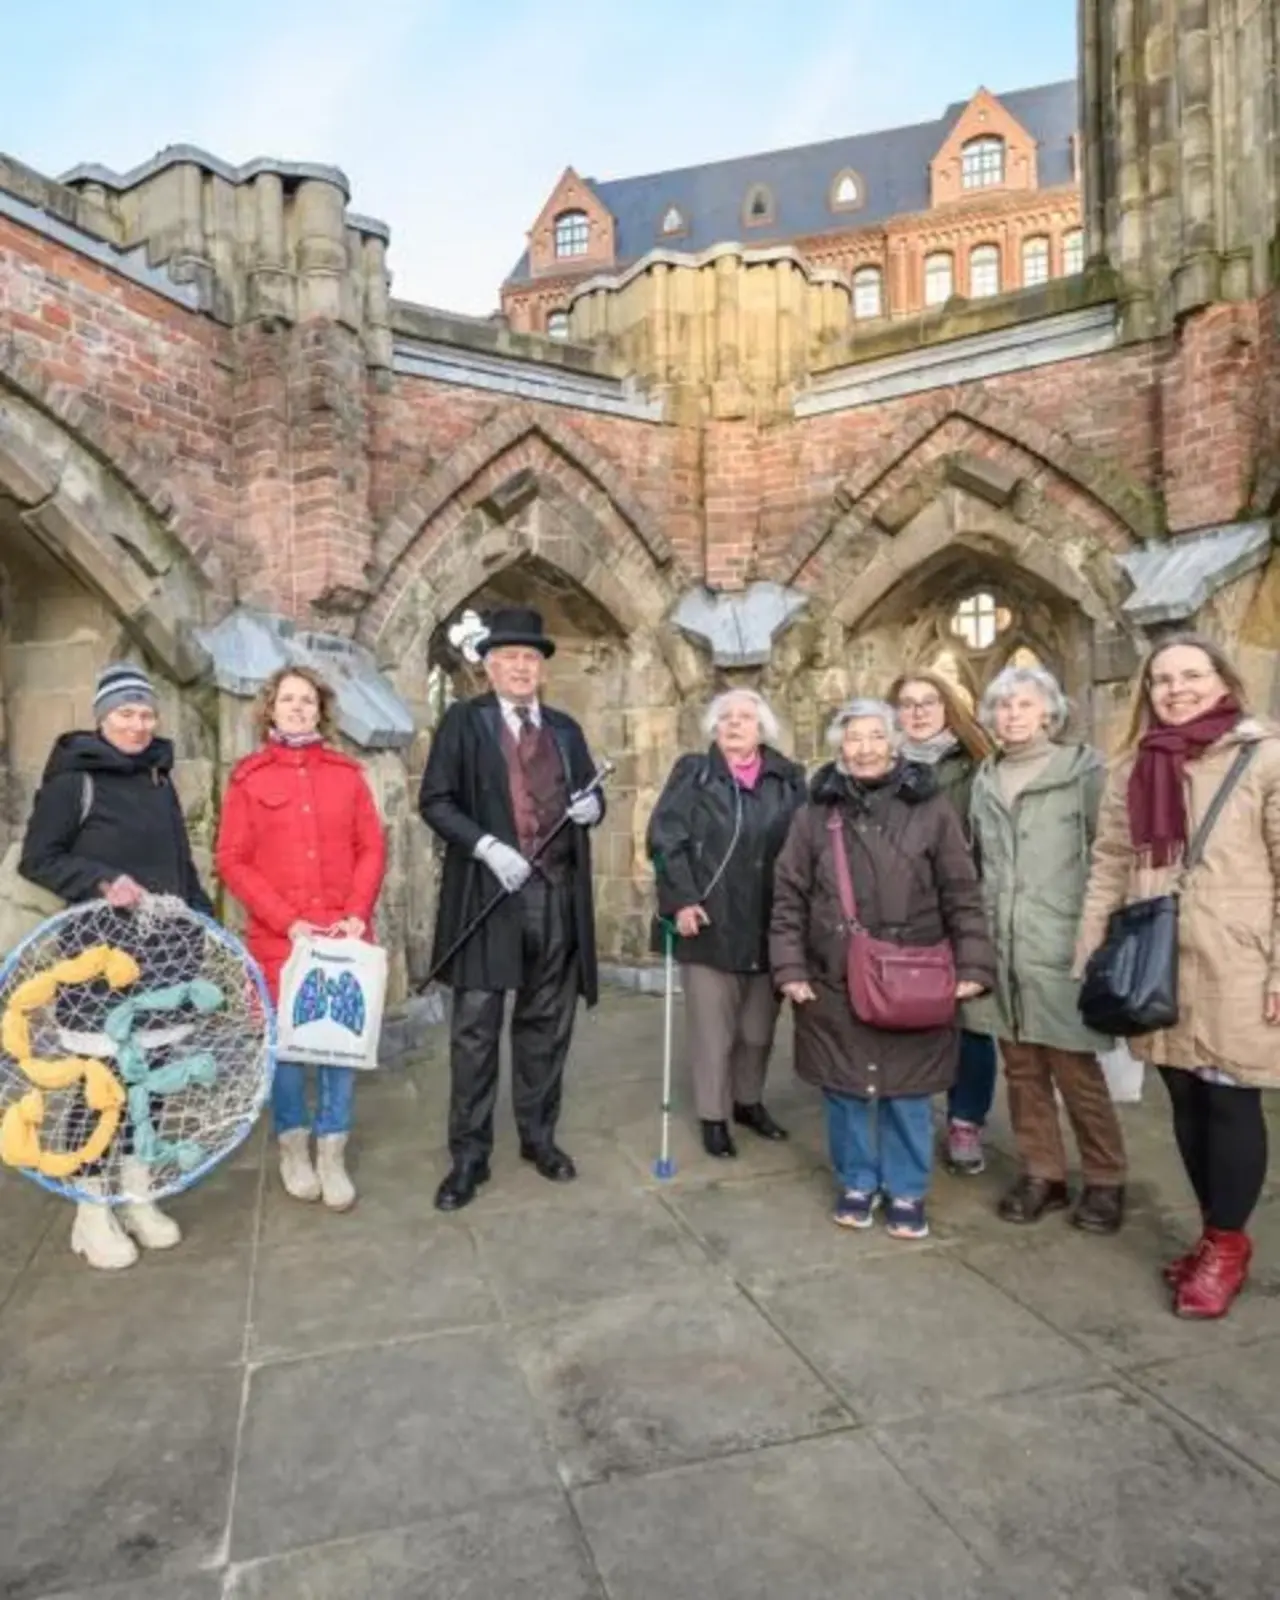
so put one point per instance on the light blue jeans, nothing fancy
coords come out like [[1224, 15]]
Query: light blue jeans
[[336, 1091], [885, 1145]]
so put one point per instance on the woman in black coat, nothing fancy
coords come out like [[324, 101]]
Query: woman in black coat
[[107, 824], [714, 836]]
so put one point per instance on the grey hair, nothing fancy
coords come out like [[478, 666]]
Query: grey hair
[[768, 723], [1044, 683], [853, 709]]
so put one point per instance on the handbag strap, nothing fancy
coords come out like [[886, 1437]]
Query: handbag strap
[[1195, 850], [844, 878]]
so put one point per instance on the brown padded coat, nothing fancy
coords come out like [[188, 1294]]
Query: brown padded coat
[[1229, 911], [915, 883]]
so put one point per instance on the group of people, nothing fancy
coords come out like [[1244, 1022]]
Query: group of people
[[990, 837], [1006, 843]]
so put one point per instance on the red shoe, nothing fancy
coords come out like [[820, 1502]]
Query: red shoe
[[1217, 1277], [1177, 1271]]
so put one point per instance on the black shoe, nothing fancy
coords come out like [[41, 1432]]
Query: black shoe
[[1030, 1198], [1100, 1208], [716, 1140], [551, 1162], [458, 1189], [759, 1121]]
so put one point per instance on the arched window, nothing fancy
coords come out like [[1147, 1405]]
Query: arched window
[[673, 221], [846, 191], [1035, 261], [984, 271], [868, 293], [982, 162], [757, 209], [573, 234], [939, 278], [558, 325], [978, 619], [1073, 251]]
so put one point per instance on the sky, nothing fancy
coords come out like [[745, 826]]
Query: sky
[[453, 120]]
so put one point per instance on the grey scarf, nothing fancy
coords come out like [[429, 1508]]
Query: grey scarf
[[928, 752]]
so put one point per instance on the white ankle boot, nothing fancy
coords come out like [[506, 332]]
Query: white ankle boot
[[96, 1233], [296, 1172], [141, 1216], [335, 1186]]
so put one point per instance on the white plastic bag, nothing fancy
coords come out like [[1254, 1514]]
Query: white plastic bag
[[332, 993], [1123, 1072]]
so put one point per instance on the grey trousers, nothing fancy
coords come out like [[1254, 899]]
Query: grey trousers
[[730, 1018]]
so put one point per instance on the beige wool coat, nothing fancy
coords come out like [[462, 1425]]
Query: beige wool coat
[[1229, 919]]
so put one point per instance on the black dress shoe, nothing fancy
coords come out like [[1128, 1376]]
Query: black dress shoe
[[1030, 1198], [759, 1121], [551, 1162], [459, 1187], [1100, 1208], [716, 1140]]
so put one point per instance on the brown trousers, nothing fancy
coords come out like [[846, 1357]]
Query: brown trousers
[[730, 1018], [1032, 1072]]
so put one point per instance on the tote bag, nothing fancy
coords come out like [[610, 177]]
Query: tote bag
[[332, 993]]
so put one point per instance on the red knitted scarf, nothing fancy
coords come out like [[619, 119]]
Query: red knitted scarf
[[1157, 807]]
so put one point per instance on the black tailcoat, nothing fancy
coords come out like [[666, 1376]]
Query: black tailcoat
[[465, 794]]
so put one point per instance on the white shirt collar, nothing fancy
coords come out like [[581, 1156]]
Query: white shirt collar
[[511, 713]]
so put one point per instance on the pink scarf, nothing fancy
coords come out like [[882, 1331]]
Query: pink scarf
[[746, 774]]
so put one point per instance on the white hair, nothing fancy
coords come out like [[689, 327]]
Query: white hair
[[765, 719], [851, 710], [1012, 678]]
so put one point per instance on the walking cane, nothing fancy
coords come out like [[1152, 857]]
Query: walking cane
[[597, 782], [664, 1166]]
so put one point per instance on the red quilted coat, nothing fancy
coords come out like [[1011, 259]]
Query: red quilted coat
[[300, 840]]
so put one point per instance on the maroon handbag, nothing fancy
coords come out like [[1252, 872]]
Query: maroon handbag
[[902, 988]]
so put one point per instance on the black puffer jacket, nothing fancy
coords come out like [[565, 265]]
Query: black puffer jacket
[[134, 824], [690, 834]]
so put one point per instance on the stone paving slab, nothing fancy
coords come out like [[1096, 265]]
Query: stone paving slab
[[1094, 1493], [824, 1518], [206, 1587], [1231, 1393]]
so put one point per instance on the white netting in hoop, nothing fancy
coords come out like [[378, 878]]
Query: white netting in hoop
[[141, 1037]]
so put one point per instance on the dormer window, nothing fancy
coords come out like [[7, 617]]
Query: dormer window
[[572, 235], [757, 209], [673, 222], [982, 162], [846, 191]]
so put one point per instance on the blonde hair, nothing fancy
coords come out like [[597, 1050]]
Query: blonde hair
[[1140, 701], [264, 707], [960, 720]]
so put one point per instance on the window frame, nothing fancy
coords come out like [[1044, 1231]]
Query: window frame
[[949, 256], [1073, 239], [978, 173], [987, 251], [867, 273], [560, 317], [1045, 255], [682, 221], [846, 175], [749, 219], [565, 232]]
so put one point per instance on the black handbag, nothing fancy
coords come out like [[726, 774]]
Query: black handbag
[[1131, 981]]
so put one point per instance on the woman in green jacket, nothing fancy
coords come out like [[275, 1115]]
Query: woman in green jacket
[[1034, 812]]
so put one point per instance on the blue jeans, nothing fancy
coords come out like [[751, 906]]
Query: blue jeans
[[885, 1145], [970, 1096], [337, 1089]]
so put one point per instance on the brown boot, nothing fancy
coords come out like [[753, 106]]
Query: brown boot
[[1030, 1198], [1100, 1208]]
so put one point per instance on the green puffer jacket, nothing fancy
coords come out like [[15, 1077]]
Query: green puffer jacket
[[1035, 866]]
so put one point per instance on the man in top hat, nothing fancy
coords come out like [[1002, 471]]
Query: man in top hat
[[504, 769]]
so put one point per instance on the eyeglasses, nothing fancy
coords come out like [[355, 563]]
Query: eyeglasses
[[929, 703], [1181, 680]]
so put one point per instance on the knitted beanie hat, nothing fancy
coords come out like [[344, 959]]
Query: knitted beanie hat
[[122, 684]]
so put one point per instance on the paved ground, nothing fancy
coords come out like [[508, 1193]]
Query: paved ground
[[619, 1388]]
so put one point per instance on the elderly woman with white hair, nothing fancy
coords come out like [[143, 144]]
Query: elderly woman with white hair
[[1034, 811], [877, 866], [714, 836]]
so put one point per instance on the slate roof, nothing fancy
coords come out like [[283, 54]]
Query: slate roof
[[893, 165]]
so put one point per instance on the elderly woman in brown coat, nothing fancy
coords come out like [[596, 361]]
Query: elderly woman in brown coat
[[1190, 723], [914, 883]]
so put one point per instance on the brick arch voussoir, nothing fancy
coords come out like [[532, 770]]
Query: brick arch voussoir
[[508, 428], [113, 448]]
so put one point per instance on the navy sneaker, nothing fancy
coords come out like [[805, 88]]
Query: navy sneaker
[[906, 1220], [855, 1209]]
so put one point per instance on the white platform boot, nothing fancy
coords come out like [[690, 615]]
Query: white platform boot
[[141, 1216], [296, 1172], [335, 1185], [96, 1233]]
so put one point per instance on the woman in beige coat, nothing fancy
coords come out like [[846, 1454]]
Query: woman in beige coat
[[1190, 720]]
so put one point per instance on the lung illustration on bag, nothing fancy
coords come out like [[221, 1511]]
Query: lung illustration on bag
[[331, 1000]]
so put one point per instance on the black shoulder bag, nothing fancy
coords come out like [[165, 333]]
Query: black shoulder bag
[[1131, 981]]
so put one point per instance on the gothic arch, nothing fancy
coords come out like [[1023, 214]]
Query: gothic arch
[[98, 524]]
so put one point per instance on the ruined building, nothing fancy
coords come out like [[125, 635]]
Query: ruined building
[[224, 446]]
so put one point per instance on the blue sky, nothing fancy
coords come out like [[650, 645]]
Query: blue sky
[[453, 120]]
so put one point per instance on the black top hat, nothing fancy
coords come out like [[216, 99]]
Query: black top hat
[[515, 625]]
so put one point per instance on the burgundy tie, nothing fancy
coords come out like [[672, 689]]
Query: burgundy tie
[[527, 730]]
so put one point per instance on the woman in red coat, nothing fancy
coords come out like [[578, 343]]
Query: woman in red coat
[[301, 846]]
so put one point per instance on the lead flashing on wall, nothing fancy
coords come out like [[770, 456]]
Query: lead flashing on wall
[[527, 380], [131, 264], [1172, 579], [739, 628], [1045, 341]]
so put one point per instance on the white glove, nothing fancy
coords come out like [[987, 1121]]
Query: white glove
[[508, 866], [584, 809]]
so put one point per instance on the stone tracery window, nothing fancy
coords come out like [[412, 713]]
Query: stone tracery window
[[466, 633], [573, 234]]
